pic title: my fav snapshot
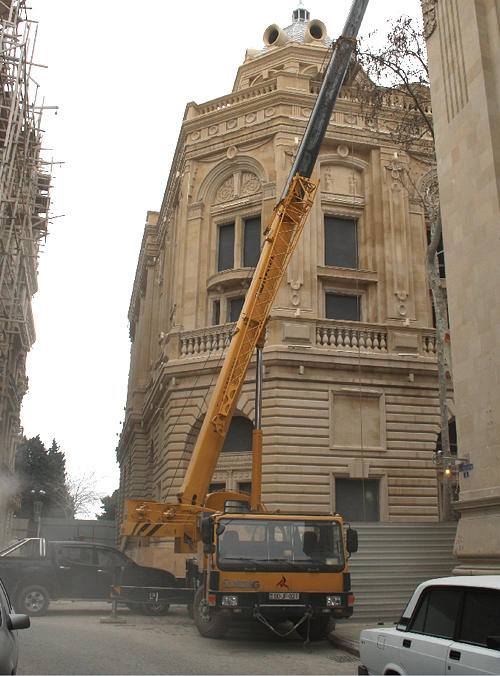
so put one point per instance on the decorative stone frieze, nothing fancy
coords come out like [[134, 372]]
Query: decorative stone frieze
[[429, 12]]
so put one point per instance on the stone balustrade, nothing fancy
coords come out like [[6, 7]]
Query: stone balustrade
[[204, 341], [330, 334], [237, 97], [351, 336]]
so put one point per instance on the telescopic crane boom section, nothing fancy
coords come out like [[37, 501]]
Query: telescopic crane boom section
[[281, 237]]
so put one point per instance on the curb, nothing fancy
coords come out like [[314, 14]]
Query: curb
[[344, 644]]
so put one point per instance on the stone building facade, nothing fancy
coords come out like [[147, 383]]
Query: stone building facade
[[463, 42], [350, 394]]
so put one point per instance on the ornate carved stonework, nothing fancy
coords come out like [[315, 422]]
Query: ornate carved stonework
[[226, 191], [429, 12], [328, 180], [250, 184]]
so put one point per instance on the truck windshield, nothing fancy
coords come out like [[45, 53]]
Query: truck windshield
[[280, 544]]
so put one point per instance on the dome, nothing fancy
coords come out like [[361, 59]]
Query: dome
[[302, 30]]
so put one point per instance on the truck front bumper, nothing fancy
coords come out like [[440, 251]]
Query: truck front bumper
[[335, 604]]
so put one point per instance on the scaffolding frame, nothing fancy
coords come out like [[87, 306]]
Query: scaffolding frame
[[25, 182]]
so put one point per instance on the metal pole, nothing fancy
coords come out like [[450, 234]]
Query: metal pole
[[257, 434], [323, 107]]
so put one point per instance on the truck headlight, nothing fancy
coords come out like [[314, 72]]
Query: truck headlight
[[229, 601], [333, 601]]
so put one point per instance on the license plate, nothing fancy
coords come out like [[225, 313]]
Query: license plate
[[284, 596]]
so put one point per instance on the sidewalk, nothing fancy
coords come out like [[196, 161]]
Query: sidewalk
[[346, 634]]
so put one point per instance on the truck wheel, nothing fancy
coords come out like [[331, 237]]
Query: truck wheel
[[318, 629], [33, 601], [154, 609], [210, 624]]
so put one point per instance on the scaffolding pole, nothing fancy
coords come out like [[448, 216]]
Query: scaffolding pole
[[25, 182]]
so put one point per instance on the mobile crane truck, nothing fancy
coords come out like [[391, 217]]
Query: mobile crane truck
[[275, 567]]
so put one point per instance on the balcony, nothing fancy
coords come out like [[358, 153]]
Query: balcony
[[320, 334]]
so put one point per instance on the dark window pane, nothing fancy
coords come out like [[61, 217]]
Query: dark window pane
[[251, 242], [226, 247], [235, 307], [216, 313], [216, 487], [357, 499], [481, 616], [439, 616], [421, 613], [245, 486], [341, 245], [239, 436], [343, 307], [78, 554]]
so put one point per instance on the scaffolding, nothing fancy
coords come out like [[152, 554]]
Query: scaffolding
[[25, 181]]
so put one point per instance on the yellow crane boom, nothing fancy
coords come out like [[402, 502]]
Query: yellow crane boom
[[281, 237]]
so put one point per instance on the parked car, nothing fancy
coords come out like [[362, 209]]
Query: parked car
[[10, 622], [450, 626], [35, 571]]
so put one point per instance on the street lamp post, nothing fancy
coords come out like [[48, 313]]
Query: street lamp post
[[37, 508]]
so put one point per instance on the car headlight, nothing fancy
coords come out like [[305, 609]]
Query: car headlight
[[333, 601], [229, 600]]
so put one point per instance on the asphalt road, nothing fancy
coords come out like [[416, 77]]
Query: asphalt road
[[70, 639]]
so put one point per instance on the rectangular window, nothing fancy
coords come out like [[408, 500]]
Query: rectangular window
[[341, 242], [226, 247], [357, 499], [338, 306], [251, 242], [235, 308], [216, 487], [216, 313]]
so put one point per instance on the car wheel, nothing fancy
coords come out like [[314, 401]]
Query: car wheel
[[33, 601], [318, 629], [154, 609], [210, 624]]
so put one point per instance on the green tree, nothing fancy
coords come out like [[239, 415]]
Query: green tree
[[109, 506], [41, 475]]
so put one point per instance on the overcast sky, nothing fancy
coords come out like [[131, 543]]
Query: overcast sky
[[121, 73]]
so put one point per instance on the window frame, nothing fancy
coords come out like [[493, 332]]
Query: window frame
[[229, 299], [344, 292], [346, 218], [238, 218], [220, 226]]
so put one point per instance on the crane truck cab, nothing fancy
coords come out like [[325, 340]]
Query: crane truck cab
[[275, 567]]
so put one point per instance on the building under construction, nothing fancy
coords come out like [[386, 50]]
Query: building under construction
[[24, 208]]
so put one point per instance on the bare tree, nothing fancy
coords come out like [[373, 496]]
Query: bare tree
[[395, 76], [79, 496]]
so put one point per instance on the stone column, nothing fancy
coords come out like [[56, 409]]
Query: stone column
[[463, 42]]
